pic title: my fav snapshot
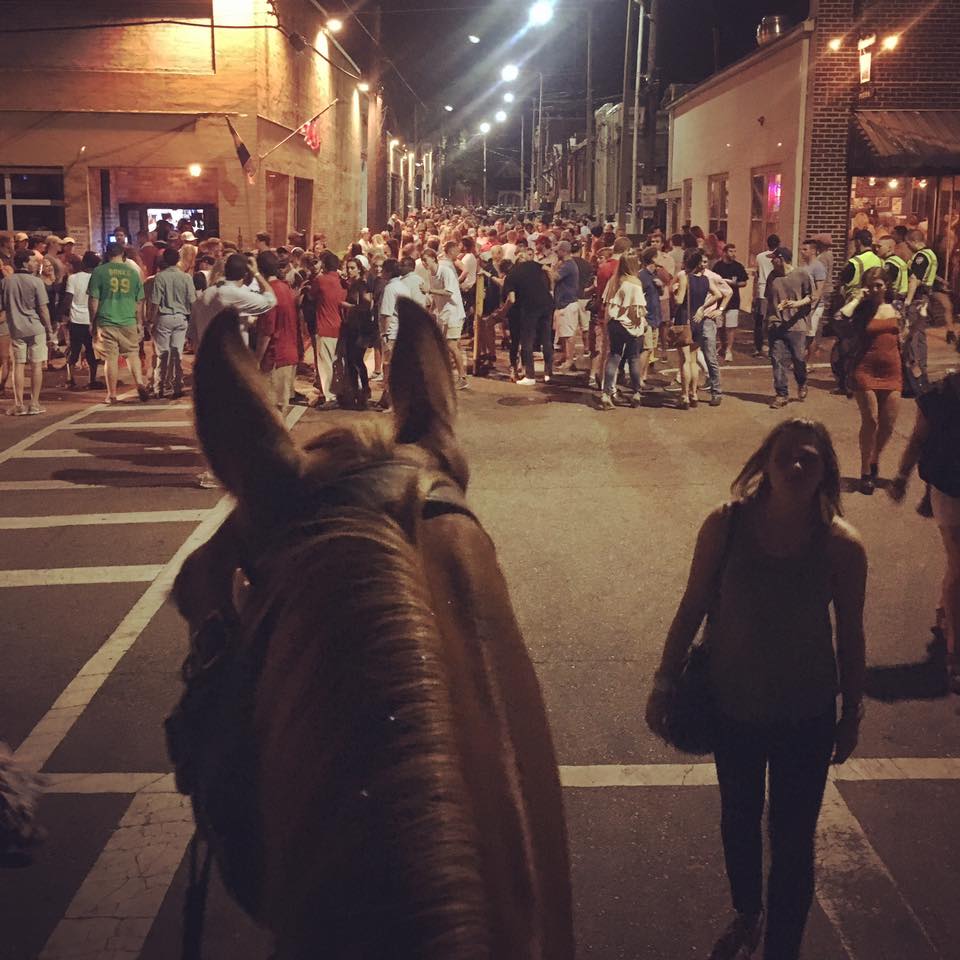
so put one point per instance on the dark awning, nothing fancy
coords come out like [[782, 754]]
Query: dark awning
[[905, 141]]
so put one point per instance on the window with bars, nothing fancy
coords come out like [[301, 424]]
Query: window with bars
[[765, 191], [717, 188], [32, 199]]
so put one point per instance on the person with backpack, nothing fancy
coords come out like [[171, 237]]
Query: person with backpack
[[767, 569], [935, 446]]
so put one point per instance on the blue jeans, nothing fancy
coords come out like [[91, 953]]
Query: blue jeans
[[787, 346], [709, 347]]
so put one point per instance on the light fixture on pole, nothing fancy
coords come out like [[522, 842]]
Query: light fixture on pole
[[363, 86], [541, 13], [508, 97], [334, 25], [500, 116], [448, 108], [484, 128], [510, 73], [473, 38]]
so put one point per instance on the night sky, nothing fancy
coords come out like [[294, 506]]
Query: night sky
[[427, 39]]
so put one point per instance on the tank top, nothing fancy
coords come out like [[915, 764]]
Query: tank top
[[770, 633], [698, 286]]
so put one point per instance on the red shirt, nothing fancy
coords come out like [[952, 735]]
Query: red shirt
[[604, 272], [328, 294], [280, 325]]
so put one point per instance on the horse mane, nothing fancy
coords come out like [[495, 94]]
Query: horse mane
[[359, 756]]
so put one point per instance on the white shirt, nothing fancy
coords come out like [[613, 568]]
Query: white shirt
[[764, 269], [394, 289], [248, 303], [414, 289], [509, 251], [448, 309], [469, 262], [77, 284]]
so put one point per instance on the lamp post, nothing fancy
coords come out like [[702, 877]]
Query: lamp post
[[484, 130]]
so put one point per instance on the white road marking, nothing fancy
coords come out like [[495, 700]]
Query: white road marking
[[28, 486], [112, 913], [53, 454], [27, 442], [72, 576], [857, 891], [99, 519], [145, 407], [95, 783], [129, 424]]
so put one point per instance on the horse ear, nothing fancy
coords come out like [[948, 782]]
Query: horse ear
[[240, 431], [421, 389]]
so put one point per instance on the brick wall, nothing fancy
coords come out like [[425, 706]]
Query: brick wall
[[921, 73]]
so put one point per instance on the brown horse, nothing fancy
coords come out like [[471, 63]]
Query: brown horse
[[408, 797]]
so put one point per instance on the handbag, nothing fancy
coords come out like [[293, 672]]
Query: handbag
[[691, 721]]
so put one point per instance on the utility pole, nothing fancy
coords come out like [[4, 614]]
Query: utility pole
[[523, 123], [634, 217], [538, 188], [484, 171], [589, 106], [622, 179], [653, 94]]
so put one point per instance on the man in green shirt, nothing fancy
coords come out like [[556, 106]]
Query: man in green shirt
[[116, 317]]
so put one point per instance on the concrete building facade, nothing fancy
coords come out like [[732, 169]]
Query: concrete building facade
[[133, 123]]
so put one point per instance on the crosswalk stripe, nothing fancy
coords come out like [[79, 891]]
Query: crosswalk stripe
[[100, 519], [72, 576], [124, 425], [36, 486]]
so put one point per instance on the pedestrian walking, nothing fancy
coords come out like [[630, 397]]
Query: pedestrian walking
[[766, 570], [790, 298], [875, 372], [76, 312], [528, 291], [696, 294], [627, 310], [760, 299], [934, 445], [278, 334], [171, 302], [735, 274]]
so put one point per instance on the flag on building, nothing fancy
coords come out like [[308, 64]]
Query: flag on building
[[311, 134], [243, 154]]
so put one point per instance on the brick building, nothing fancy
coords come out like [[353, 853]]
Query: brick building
[[851, 119], [106, 125]]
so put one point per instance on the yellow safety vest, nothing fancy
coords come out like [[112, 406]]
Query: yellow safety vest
[[901, 281], [930, 274], [862, 262]]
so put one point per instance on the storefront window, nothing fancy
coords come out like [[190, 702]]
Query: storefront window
[[718, 205], [765, 197], [32, 200]]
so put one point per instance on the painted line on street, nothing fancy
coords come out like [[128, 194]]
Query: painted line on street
[[112, 912], [19, 486], [144, 407], [104, 454], [857, 891], [58, 721], [705, 774], [52, 454], [126, 425], [97, 783], [99, 519], [75, 576], [65, 424]]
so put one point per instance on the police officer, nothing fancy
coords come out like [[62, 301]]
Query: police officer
[[863, 259], [923, 276], [898, 273]]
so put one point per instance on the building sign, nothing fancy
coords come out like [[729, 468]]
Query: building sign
[[866, 56], [648, 195]]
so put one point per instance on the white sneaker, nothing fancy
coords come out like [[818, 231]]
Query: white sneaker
[[526, 382], [728, 356]]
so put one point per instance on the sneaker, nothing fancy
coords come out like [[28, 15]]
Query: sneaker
[[802, 393], [462, 383], [715, 400], [376, 377], [547, 377], [741, 938], [16, 411], [778, 403], [637, 399], [672, 387], [34, 411], [867, 485], [605, 401], [207, 481], [728, 356], [526, 382], [143, 393], [684, 403]]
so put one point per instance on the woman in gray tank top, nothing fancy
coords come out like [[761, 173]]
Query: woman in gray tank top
[[766, 569]]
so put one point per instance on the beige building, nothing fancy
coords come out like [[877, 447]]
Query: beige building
[[105, 126]]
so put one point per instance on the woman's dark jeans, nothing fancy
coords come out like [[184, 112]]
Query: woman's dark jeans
[[525, 327], [798, 755], [622, 345]]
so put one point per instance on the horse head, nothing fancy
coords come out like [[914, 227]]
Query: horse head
[[408, 803]]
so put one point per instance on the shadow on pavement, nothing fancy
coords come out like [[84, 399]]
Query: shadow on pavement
[[924, 680], [126, 478], [133, 438], [763, 398]]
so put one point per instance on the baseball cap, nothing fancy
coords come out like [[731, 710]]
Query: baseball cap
[[52, 238], [188, 236], [20, 235], [784, 254], [67, 240]]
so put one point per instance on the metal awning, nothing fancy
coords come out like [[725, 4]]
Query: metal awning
[[905, 142]]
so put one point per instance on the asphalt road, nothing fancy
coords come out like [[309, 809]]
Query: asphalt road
[[594, 515]]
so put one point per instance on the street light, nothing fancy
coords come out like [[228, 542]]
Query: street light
[[334, 24], [473, 38], [484, 128], [448, 108], [500, 116], [363, 86], [541, 13], [510, 73], [508, 97]]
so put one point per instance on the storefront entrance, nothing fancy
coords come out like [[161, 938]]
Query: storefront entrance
[[135, 217]]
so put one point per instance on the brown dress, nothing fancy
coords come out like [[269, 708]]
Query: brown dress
[[879, 368]]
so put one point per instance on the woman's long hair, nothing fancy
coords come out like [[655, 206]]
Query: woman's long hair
[[866, 309], [752, 482], [629, 266]]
